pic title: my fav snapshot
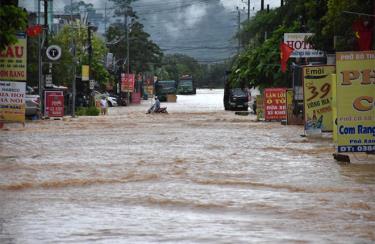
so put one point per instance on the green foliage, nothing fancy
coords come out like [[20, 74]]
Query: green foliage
[[144, 53], [259, 63], [12, 20], [177, 65], [63, 72], [87, 111]]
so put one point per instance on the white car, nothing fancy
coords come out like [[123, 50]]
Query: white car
[[112, 101]]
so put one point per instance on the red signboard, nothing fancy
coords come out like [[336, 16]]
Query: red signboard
[[54, 103], [274, 104], [127, 82], [136, 97]]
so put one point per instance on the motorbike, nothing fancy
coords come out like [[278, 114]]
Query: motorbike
[[160, 110]]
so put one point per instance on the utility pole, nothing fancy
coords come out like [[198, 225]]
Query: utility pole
[[239, 29], [127, 39], [40, 83], [74, 64], [89, 49], [105, 17], [248, 10], [262, 5], [46, 21]]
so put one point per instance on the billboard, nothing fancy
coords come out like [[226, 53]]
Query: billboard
[[317, 93], [127, 82], [274, 104], [12, 101], [13, 61], [297, 41], [355, 101]]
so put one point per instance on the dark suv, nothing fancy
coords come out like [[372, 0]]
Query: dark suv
[[236, 98]]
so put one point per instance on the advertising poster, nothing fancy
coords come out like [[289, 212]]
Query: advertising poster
[[13, 61], [127, 82], [317, 96], [12, 101], [54, 103], [297, 41], [274, 104], [355, 101]]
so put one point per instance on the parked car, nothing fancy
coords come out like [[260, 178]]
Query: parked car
[[236, 99], [112, 101], [32, 102]]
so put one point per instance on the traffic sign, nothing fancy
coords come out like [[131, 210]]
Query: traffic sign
[[53, 52], [48, 80]]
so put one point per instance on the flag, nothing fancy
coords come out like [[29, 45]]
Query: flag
[[285, 52], [34, 30], [363, 35]]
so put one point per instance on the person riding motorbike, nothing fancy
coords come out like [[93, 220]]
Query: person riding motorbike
[[155, 108]]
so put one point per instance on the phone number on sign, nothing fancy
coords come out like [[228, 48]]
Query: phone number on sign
[[364, 148]]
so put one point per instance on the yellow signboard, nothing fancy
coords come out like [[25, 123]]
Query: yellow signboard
[[85, 72], [12, 101], [259, 107], [317, 92], [13, 61], [355, 101]]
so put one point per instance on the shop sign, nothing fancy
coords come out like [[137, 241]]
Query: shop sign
[[274, 104], [317, 92], [12, 101], [302, 49], [13, 61], [54, 103], [355, 101], [127, 82]]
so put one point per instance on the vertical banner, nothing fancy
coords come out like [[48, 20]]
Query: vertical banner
[[355, 101], [274, 104], [12, 101], [289, 106], [13, 61], [127, 82], [334, 106], [85, 72], [317, 96], [54, 103], [259, 107]]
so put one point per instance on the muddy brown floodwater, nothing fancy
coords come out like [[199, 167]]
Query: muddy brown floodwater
[[196, 175]]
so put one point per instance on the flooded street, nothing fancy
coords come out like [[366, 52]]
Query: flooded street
[[196, 175]]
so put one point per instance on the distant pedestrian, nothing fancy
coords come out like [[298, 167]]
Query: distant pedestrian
[[103, 105]]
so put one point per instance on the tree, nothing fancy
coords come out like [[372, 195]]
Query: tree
[[63, 72], [335, 31], [259, 63], [12, 20], [144, 53], [176, 65]]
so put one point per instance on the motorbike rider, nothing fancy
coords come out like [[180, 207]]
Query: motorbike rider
[[155, 107]]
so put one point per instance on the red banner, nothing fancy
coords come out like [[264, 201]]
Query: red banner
[[127, 82], [54, 103], [274, 104]]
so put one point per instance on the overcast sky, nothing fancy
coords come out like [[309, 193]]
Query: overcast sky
[[203, 29]]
